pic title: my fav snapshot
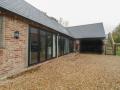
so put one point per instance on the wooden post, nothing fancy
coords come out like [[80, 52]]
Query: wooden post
[[114, 49], [105, 50]]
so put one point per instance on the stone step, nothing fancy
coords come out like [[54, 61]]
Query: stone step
[[109, 48], [109, 52]]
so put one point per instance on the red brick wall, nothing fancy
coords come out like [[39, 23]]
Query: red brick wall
[[15, 51], [1, 56]]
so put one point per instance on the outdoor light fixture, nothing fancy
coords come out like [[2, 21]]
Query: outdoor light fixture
[[16, 34]]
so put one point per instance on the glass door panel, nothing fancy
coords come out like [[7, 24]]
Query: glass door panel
[[49, 45], [54, 45], [43, 46], [34, 46]]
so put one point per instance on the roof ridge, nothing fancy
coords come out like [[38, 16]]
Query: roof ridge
[[85, 25]]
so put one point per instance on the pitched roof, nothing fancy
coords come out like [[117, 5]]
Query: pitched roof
[[87, 31], [26, 10]]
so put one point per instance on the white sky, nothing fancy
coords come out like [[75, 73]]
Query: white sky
[[79, 12]]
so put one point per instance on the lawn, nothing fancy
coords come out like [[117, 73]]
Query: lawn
[[70, 72]]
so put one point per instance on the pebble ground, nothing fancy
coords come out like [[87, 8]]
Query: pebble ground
[[70, 72]]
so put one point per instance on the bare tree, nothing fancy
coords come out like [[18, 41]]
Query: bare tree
[[63, 22], [60, 21]]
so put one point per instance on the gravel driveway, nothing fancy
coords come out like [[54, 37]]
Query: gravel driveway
[[71, 72]]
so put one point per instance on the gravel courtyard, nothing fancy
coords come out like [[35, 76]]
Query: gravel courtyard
[[70, 72]]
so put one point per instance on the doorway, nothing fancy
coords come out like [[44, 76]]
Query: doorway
[[91, 46]]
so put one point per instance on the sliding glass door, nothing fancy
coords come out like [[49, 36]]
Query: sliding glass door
[[42, 46], [61, 45], [54, 45], [67, 46], [49, 45], [33, 46]]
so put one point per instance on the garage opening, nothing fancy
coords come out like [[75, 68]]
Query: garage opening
[[91, 46]]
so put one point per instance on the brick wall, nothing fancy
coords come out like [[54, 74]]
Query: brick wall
[[1, 56], [14, 56]]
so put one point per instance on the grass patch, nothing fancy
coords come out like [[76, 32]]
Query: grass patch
[[118, 51]]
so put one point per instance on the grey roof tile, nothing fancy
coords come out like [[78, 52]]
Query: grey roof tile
[[87, 31], [26, 10]]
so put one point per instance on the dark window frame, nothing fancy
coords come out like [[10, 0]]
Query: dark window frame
[[39, 40]]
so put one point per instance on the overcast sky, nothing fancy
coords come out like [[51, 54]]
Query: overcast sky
[[80, 12]]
